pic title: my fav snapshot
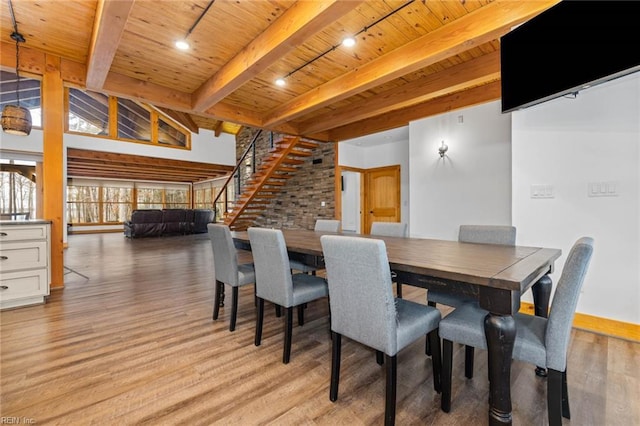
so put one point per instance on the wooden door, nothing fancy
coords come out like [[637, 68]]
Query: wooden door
[[382, 196]]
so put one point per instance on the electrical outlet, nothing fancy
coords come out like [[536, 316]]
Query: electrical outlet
[[602, 189], [542, 191]]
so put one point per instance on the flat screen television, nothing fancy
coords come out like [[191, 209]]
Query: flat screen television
[[568, 47]]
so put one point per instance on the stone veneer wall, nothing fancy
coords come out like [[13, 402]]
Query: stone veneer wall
[[299, 203]]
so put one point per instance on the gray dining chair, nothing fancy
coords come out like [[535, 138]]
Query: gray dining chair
[[227, 269], [479, 234], [275, 282], [539, 340], [390, 229], [322, 225], [364, 309]]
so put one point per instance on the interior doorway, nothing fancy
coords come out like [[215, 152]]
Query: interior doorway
[[369, 195]]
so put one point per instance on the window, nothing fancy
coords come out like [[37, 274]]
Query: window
[[17, 189], [134, 121], [205, 193], [99, 202], [88, 112], [83, 204], [93, 113], [159, 196], [29, 94]]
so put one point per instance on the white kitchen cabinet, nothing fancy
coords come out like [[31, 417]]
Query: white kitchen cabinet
[[25, 262]]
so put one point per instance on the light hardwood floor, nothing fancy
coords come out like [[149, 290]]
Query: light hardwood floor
[[135, 344]]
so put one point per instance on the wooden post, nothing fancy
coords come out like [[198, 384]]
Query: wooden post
[[53, 159]]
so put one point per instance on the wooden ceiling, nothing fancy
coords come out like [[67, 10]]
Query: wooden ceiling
[[429, 57], [92, 164]]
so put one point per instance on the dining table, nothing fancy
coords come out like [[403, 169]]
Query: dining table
[[494, 275]]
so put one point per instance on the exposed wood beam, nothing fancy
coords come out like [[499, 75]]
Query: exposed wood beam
[[218, 128], [481, 26], [111, 18], [481, 70], [402, 117], [296, 25], [182, 118]]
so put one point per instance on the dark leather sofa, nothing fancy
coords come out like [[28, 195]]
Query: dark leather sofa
[[155, 223]]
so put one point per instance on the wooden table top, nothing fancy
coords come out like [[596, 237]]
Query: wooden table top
[[507, 267]]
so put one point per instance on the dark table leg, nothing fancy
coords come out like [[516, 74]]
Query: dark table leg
[[500, 331], [541, 295]]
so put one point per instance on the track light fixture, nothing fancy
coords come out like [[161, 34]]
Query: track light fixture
[[184, 44], [347, 42]]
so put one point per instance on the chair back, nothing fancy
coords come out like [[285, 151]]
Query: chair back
[[225, 256], [487, 234], [360, 292], [271, 262], [565, 300], [389, 229], [327, 225]]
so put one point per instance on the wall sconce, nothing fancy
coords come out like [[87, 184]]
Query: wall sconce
[[442, 150]]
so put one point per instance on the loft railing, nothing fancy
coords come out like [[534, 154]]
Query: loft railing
[[235, 173]]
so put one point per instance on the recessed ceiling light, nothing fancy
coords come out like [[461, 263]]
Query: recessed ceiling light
[[349, 41], [280, 82], [182, 44]]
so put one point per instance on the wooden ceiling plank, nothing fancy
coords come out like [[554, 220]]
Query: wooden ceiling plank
[[296, 25], [478, 95], [111, 18], [481, 26], [481, 70]]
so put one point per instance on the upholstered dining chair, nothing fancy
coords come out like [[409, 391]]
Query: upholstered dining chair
[[275, 282], [390, 229], [480, 234], [540, 341], [325, 225], [364, 309], [227, 270]]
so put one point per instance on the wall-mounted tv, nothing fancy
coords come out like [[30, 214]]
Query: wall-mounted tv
[[568, 47]]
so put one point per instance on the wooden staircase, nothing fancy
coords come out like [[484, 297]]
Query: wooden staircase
[[269, 179]]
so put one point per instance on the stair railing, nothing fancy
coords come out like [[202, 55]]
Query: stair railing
[[236, 173]]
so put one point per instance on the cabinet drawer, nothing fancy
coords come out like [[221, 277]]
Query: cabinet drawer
[[16, 285], [23, 232], [19, 255]]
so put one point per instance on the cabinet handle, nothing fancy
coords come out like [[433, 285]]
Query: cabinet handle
[[4, 287], [3, 258], [3, 234]]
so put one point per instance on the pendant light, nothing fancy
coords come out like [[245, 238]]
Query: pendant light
[[15, 118]]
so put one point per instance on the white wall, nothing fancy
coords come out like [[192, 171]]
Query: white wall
[[391, 153], [472, 183], [569, 143]]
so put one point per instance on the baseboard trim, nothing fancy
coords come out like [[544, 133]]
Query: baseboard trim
[[623, 330]]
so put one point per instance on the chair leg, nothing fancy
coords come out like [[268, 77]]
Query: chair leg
[[286, 355], [468, 361], [447, 357], [554, 397], [216, 299], [566, 413], [399, 290], [336, 340], [379, 357], [301, 314], [259, 318], [427, 345], [390, 398], [234, 308], [436, 360]]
